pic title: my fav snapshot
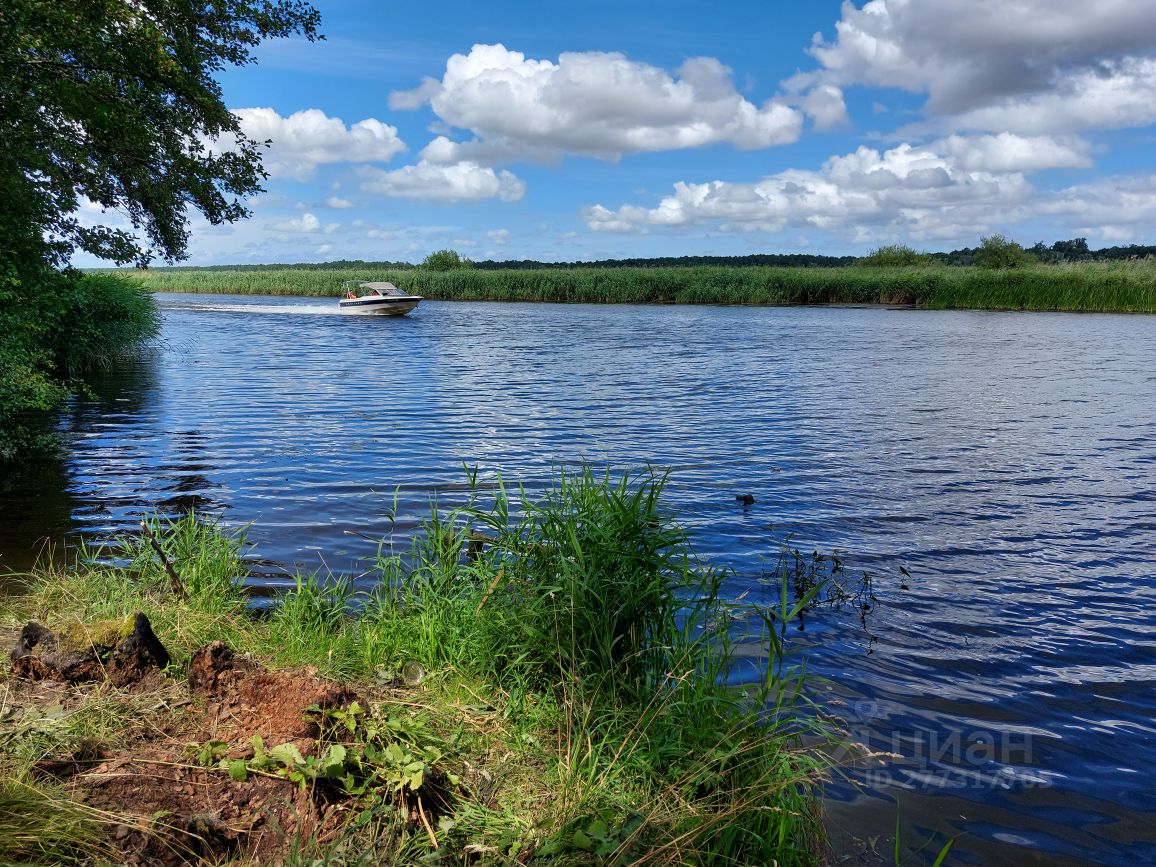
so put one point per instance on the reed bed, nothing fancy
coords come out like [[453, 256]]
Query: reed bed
[[1122, 287]]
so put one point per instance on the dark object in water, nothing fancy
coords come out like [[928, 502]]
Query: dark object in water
[[745, 499]]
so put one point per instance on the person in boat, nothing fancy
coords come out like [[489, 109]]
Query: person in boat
[[350, 294], [375, 291]]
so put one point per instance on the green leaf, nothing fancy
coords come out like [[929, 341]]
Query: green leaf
[[551, 847], [333, 762], [943, 853], [142, 88], [239, 770], [208, 753], [287, 754]]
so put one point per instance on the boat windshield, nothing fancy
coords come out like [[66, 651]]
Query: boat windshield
[[380, 289]]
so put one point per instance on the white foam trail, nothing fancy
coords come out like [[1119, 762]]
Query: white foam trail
[[294, 309]]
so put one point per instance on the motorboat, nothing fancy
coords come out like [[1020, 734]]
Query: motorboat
[[378, 299]]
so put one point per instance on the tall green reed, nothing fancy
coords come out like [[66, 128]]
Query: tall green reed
[[1129, 286]]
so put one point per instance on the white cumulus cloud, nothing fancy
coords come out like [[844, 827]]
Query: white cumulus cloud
[[306, 139], [444, 182], [918, 191], [825, 106], [1114, 95], [958, 187], [1112, 207], [1008, 152], [1029, 66], [599, 104], [305, 223]]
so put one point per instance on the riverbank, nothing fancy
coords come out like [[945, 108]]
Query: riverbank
[[546, 690], [1100, 287]]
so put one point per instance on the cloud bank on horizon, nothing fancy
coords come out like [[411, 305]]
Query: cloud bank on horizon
[[929, 122]]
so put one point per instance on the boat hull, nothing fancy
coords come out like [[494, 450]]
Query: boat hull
[[379, 306]]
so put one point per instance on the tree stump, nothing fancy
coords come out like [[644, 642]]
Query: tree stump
[[120, 650]]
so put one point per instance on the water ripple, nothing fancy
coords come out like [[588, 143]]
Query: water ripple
[[1006, 461]]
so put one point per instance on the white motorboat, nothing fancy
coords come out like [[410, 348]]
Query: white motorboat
[[378, 299]]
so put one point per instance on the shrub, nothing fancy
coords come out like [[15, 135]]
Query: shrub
[[445, 260], [997, 253], [55, 327], [894, 256]]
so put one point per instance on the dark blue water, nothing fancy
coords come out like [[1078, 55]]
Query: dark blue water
[[1006, 461]]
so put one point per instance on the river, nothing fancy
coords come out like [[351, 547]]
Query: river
[[1007, 462]]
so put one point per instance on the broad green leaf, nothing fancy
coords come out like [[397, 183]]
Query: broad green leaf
[[287, 754]]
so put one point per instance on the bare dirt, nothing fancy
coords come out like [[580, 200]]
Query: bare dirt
[[172, 811]]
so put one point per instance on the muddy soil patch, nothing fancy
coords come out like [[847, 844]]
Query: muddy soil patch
[[173, 810]]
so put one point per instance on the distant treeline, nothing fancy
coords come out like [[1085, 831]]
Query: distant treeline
[[1074, 250], [760, 260], [337, 265]]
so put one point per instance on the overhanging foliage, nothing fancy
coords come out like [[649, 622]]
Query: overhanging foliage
[[114, 102]]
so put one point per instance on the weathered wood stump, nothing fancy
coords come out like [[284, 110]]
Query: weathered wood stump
[[120, 650]]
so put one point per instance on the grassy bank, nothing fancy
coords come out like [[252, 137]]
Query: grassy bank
[[1123, 287], [556, 683]]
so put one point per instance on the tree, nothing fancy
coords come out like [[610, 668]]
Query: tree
[[997, 252], [1076, 248], [445, 260], [114, 102], [111, 102]]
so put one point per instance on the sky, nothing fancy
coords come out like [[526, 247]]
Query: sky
[[591, 130]]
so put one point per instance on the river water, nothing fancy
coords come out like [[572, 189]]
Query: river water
[[1006, 461]]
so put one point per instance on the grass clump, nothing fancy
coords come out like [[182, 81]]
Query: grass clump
[[41, 824], [546, 681]]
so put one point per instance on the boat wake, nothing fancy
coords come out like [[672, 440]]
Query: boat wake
[[274, 309]]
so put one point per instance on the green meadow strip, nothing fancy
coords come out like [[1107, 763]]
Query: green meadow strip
[[1123, 287]]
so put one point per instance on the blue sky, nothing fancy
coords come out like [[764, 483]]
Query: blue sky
[[563, 131]]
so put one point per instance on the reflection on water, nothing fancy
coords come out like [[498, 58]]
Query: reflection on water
[[1006, 461]]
